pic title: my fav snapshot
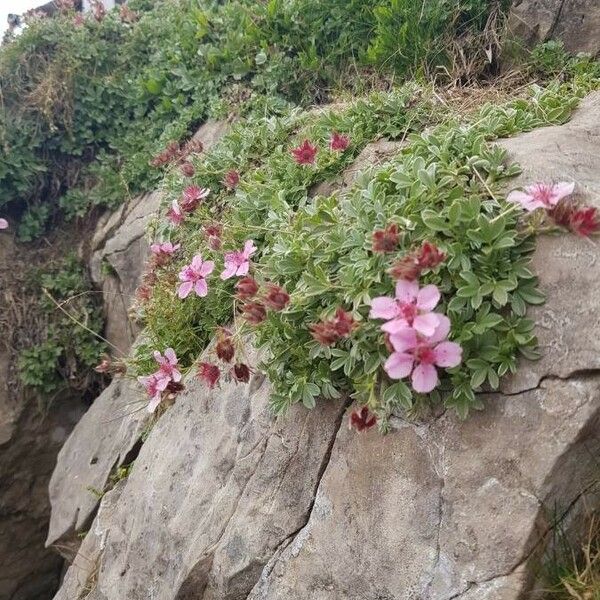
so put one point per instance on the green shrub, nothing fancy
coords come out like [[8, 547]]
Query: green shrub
[[71, 317], [84, 108]]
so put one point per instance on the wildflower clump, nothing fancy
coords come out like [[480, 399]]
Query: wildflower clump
[[409, 288]]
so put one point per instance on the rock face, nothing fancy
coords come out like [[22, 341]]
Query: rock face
[[575, 22], [120, 249], [29, 442], [225, 503]]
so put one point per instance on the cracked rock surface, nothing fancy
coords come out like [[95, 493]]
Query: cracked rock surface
[[225, 503]]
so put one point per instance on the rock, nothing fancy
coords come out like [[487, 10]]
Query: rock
[[120, 249], [30, 438], [575, 22], [568, 267], [216, 488], [105, 438], [432, 511]]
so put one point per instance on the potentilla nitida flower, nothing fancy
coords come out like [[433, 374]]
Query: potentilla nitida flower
[[246, 288], [3, 224], [410, 308], [585, 221], [329, 332], [192, 196], [305, 153], [213, 236], [386, 240], [241, 373], [78, 20], [167, 365], [238, 263], [194, 276], [254, 312], [541, 195], [276, 297], [430, 256], [231, 179], [339, 142], [169, 154], [163, 253], [175, 215], [362, 419], [419, 355], [224, 348], [154, 386], [105, 364], [406, 268], [187, 169], [209, 374], [143, 293], [192, 146]]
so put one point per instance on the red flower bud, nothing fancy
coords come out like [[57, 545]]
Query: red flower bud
[[325, 333], [362, 419], [585, 221], [246, 288], [406, 268], [241, 372], [343, 322], [254, 312], [187, 169], [430, 256], [276, 298], [225, 349], [208, 373], [386, 240], [231, 179]]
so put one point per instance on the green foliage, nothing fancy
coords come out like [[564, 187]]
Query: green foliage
[[84, 108], [443, 187], [68, 351]]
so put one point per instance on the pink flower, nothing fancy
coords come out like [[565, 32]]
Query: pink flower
[[305, 153], [339, 142], [167, 365], [410, 308], [155, 386], [3, 224], [420, 355], [174, 214], [166, 248], [238, 263], [192, 196], [541, 195], [194, 277]]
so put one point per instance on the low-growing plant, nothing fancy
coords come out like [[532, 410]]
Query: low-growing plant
[[313, 279]]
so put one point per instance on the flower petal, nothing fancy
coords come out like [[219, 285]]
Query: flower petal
[[442, 330], [522, 198], [243, 269], [406, 291], [197, 262], [383, 308], [185, 289], [207, 268], [176, 375], [427, 323], [3, 224], [153, 404], [424, 378], [171, 356], [447, 354], [428, 297], [229, 271], [201, 288], [249, 248], [406, 339], [399, 365], [561, 190], [395, 326]]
